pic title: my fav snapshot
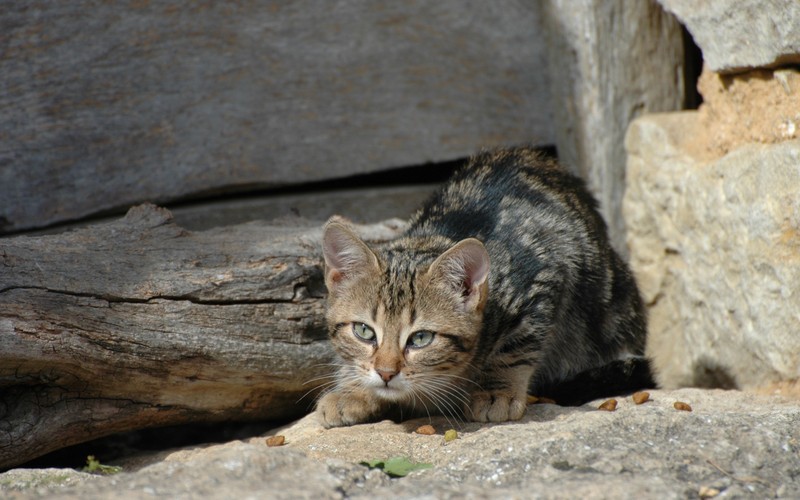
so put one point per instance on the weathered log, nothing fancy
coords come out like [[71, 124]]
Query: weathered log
[[139, 323]]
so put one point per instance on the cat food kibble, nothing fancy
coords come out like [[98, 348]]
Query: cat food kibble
[[680, 405], [276, 441], [609, 405], [641, 397], [450, 435], [706, 492], [427, 430]]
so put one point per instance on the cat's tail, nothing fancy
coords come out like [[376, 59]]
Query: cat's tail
[[617, 378]]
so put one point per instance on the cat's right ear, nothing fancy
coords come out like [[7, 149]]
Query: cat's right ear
[[346, 255]]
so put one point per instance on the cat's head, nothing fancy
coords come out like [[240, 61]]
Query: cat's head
[[406, 320]]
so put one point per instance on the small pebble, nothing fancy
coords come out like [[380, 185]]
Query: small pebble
[[609, 405], [680, 405], [706, 492], [641, 397], [276, 440], [427, 430]]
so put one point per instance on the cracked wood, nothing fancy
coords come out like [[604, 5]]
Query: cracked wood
[[138, 323]]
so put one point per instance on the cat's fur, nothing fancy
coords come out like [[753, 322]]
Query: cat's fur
[[509, 266]]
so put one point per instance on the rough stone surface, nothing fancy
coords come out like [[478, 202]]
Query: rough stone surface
[[741, 444], [737, 34], [758, 106], [715, 246], [15, 481], [610, 61]]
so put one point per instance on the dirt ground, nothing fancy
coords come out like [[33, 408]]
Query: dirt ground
[[761, 106]]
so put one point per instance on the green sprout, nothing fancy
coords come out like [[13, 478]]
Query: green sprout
[[94, 466]]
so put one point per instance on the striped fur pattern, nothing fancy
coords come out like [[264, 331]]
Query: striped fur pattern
[[505, 280]]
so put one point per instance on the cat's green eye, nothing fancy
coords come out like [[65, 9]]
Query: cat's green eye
[[421, 338], [363, 332]]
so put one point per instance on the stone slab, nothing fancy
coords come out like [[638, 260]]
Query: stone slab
[[739, 444], [610, 61]]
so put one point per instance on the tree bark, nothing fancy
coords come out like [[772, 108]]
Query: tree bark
[[140, 323]]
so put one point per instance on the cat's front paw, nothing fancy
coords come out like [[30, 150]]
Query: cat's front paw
[[337, 409], [497, 406]]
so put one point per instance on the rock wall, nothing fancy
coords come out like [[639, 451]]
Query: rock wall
[[609, 62], [712, 206]]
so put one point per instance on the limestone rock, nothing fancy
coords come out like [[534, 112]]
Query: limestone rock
[[740, 444], [609, 62], [737, 34], [715, 246]]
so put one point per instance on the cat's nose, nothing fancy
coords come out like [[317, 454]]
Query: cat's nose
[[386, 375]]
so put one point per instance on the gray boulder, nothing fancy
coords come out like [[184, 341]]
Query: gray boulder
[[738, 34]]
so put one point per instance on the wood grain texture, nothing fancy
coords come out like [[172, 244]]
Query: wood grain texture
[[104, 105], [138, 323]]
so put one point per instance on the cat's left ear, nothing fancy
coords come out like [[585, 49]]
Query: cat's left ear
[[465, 269]]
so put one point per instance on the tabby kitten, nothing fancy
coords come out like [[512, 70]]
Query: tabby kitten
[[505, 279]]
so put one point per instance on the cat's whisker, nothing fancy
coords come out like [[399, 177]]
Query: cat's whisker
[[444, 378], [447, 411], [332, 375], [444, 389], [322, 388], [337, 364], [425, 395], [333, 380], [321, 377], [440, 398], [327, 376], [463, 379], [415, 396]]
